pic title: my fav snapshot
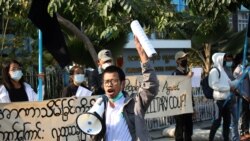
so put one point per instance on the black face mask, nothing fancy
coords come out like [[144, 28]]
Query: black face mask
[[184, 63]]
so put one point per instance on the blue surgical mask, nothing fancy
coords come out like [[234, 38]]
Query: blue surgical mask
[[229, 64], [79, 78], [16, 75]]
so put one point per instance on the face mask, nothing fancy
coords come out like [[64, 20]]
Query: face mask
[[184, 63], [229, 64], [105, 65], [16, 75], [78, 78]]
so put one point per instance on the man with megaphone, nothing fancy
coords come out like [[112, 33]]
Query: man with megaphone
[[122, 117]]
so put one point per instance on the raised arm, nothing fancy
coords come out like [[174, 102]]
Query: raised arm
[[141, 52], [150, 84]]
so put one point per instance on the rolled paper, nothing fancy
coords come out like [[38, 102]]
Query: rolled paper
[[142, 37]]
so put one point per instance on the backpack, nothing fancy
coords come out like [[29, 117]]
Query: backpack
[[207, 90]]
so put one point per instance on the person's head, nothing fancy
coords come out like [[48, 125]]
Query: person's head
[[218, 59], [77, 75], [228, 60], [12, 72], [113, 80], [181, 59], [105, 59]]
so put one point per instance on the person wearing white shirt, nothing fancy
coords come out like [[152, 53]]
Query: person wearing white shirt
[[124, 114]]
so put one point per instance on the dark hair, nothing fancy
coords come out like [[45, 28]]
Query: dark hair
[[72, 70], [112, 69], [228, 55], [6, 76]]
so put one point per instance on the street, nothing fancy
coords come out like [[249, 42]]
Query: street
[[200, 133]]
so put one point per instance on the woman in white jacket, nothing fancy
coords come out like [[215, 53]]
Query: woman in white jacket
[[14, 89], [220, 83]]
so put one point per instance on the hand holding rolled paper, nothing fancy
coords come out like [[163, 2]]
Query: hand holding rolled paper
[[142, 37], [140, 50]]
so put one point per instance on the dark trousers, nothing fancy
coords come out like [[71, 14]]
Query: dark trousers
[[245, 117], [224, 112], [184, 127]]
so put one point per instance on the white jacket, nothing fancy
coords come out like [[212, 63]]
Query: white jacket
[[220, 85], [4, 95]]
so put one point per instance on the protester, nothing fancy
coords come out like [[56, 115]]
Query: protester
[[184, 122], [221, 95], [76, 86], [124, 114], [14, 89], [244, 91], [228, 64], [95, 77]]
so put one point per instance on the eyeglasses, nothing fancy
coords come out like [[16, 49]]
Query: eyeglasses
[[112, 81]]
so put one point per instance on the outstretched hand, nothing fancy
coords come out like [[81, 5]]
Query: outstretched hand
[[140, 50]]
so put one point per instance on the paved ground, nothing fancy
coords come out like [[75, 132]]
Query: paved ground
[[200, 133]]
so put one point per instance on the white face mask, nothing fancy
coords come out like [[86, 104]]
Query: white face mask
[[105, 65], [79, 78], [16, 75]]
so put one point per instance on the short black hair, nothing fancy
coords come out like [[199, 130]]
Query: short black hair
[[114, 68], [229, 55]]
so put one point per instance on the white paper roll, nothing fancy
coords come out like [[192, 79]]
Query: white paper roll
[[142, 37]]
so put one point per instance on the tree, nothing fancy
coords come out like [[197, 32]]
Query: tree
[[217, 10], [14, 23], [97, 23], [206, 24]]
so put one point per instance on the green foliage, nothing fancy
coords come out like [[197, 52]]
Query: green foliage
[[233, 42], [106, 21], [213, 8]]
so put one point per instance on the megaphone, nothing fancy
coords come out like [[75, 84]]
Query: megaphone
[[91, 123]]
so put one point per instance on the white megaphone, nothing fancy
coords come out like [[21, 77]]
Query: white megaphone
[[91, 122]]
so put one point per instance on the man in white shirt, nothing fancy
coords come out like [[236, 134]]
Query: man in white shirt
[[124, 114]]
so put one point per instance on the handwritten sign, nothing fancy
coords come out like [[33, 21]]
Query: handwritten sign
[[55, 119], [48, 120], [174, 96]]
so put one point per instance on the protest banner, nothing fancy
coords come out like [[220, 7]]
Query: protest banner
[[174, 96], [55, 119], [48, 120]]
